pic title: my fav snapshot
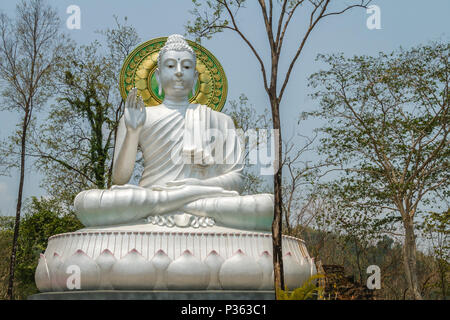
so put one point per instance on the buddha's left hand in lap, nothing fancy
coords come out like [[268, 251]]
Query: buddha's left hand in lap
[[188, 181]]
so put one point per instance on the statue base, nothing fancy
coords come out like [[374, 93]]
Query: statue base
[[155, 295], [153, 258]]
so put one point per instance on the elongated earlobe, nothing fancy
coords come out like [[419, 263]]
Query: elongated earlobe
[[195, 83], [159, 82]]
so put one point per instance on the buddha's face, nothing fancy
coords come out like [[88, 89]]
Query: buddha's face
[[176, 74]]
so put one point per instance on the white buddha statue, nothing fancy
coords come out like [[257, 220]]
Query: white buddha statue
[[186, 226], [186, 177]]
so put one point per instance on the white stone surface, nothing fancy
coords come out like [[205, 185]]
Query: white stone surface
[[185, 226], [105, 261], [168, 258], [133, 272]]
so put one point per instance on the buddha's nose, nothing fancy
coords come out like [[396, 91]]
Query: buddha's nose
[[179, 72]]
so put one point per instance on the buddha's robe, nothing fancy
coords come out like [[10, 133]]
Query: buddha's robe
[[177, 144]]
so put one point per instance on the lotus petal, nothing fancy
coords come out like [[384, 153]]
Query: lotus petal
[[187, 272], [105, 261], [57, 275], [240, 272], [295, 274], [42, 275], [265, 261], [214, 261], [83, 273], [161, 261], [133, 272]]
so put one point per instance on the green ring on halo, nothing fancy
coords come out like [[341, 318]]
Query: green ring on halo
[[138, 71]]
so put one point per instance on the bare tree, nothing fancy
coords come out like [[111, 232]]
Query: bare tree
[[212, 16], [299, 185], [30, 47], [246, 118]]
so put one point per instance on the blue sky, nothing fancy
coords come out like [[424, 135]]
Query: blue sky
[[404, 23]]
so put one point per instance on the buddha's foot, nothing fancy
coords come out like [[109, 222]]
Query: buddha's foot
[[250, 212], [125, 204]]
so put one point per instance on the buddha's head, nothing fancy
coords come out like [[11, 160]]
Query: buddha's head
[[176, 73]]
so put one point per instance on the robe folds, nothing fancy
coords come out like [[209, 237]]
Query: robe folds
[[178, 144], [195, 142]]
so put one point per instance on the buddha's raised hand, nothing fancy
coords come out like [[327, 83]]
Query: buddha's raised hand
[[135, 114]]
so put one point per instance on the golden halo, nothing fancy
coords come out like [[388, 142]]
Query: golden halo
[[139, 67]]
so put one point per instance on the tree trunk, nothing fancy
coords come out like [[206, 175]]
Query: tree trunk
[[409, 258], [277, 215], [358, 262], [443, 272], [118, 112], [12, 264]]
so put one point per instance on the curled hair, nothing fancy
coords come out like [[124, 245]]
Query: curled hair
[[175, 42]]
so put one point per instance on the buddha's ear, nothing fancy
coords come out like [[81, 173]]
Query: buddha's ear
[[159, 81], [195, 82]]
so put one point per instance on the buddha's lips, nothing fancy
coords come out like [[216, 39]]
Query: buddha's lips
[[178, 85]]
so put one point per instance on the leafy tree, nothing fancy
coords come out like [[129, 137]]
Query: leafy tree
[[30, 46], [388, 130], [436, 230], [120, 40], [215, 16], [44, 218], [6, 223], [6, 235], [74, 148]]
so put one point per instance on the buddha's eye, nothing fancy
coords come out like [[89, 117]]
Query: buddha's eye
[[187, 67]]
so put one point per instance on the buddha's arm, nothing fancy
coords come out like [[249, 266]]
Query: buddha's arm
[[230, 176], [125, 153], [228, 181], [231, 181]]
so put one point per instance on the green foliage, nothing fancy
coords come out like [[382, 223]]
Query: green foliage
[[356, 255], [436, 230], [74, 148], [387, 132], [205, 27], [308, 291], [387, 127], [6, 223], [6, 236], [44, 218]]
